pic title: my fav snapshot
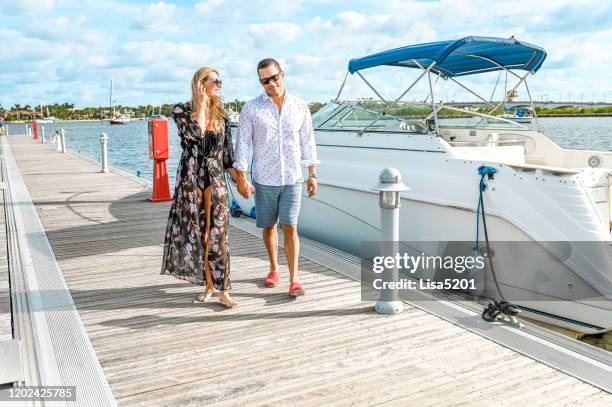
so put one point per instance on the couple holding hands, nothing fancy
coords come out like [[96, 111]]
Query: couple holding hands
[[276, 127]]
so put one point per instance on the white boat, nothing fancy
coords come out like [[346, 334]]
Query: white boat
[[120, 119], [48, 118], [547, 208], [116, 118], [520, 115]]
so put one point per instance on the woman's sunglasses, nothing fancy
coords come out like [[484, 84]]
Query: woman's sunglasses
[[217, 82], [275, 78]]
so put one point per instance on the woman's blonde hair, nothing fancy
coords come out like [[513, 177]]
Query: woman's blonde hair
[[215, 111]]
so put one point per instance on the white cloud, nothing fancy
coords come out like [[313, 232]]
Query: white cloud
[[26, 7], [67, 31], [209, 7], [158, 18], [269, 34]]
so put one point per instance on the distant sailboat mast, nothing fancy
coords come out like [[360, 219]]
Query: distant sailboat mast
[[123, 118], [110, 101]]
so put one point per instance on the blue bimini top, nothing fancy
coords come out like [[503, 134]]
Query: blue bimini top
[[466, 56]]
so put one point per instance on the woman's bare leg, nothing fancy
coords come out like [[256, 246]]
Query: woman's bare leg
[[224, 296], [227, 300], [210, 288]]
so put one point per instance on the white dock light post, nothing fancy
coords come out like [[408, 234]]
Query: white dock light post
[[58, 141], [42, 130], [389, 187], [104, 147], [63, 140]]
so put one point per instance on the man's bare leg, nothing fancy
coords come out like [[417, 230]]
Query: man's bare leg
[[270, 236], [292, 250]]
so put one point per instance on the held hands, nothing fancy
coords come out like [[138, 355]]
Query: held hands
[[245, 188], [312, 186], [234, 177]]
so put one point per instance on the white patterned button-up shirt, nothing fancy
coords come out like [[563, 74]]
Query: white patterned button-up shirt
[[281, 143]]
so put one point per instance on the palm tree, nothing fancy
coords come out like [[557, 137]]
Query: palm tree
[[17, 108]]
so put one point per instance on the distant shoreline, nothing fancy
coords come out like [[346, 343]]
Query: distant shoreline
[[65, 121], [576, 115], [540, 115]]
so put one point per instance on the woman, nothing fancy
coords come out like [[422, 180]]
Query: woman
[[196, 244]]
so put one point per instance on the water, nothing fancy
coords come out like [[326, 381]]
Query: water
[[581, 133], [128, 144]]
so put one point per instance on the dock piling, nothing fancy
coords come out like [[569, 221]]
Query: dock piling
[[104, 148], [58, 141], [63, 140], [42, 133]]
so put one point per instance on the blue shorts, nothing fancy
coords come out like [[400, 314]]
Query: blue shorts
[[277, 203]]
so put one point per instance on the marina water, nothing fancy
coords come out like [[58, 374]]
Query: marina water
[[128, 144]]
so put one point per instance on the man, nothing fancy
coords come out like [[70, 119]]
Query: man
[[276, 126]]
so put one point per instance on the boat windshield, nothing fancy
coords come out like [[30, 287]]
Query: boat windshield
[[409, 117], [361, 116]]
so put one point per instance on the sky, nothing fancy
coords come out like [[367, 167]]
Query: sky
[[58, 51]]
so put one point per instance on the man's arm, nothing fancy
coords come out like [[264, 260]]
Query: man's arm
[[308, 151]]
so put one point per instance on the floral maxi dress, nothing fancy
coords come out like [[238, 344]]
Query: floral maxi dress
[[205, 157]]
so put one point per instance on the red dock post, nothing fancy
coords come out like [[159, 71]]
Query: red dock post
[[158, 152], [35, 129]]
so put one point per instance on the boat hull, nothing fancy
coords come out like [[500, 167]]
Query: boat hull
[[441, 207], [119, 122]]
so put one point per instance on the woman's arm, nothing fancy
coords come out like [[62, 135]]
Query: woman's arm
[[183, 121], [228, 153]]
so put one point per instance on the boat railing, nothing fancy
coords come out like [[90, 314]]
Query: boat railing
[[479, 114]]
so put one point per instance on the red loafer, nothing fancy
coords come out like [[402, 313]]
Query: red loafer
[[296, 289], [272, 279]]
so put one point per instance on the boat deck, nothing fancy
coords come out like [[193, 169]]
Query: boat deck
[[328, 348]]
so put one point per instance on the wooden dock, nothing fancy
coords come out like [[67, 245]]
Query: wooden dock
[[328, 348]]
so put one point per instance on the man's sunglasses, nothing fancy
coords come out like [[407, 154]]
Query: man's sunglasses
[[275, 78], [217, 82]]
